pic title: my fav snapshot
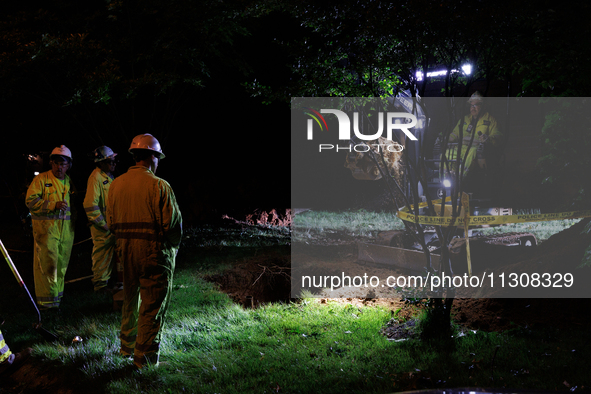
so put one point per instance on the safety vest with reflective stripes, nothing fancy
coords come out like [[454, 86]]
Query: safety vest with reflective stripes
[[51, 302], [4, 349], [486, 124], [95, 201], [44, 192], [142, 206]]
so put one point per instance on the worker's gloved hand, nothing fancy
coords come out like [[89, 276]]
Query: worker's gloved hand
[[61, 205], [482, 137]]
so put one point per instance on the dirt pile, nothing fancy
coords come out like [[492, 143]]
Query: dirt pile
[[263, 279], [551, 270], [560, 254], [266, 279]]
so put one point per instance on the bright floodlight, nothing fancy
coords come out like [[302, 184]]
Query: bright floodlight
[[466, 68], [36, 173], [446, 183]]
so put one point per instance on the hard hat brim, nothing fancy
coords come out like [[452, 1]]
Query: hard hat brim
[[66, 158], [106, 158], [158, 154]]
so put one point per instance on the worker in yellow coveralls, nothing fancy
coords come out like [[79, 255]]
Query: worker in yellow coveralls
[[10, 362], [478, 126], [143, 214], [95, 206], [49, 199]]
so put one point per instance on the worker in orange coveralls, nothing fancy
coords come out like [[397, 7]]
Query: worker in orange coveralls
[[143, 214]]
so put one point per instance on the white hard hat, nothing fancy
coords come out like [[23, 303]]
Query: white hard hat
[[61, 150], [476, 97], [103, 153], [146, 141]]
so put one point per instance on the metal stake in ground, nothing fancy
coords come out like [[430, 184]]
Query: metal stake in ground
[[37, 326]]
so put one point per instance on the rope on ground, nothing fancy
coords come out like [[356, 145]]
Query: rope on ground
[[19, 251], [78, 279], [78, 243], [29, 251]]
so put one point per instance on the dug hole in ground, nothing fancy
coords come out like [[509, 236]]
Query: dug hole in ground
[[562, 252], [265, 277]]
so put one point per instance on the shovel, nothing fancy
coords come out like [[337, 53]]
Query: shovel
[[49, 336]]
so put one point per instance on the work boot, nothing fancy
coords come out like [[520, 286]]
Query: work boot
[[146, 360], [15, 361]]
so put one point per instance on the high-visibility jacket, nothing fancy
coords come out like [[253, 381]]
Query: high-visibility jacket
[[143, 213], [95, 201], [95, 206], [5, 352], [53, 232], [486, 124]]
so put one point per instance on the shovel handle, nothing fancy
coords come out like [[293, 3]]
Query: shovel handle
[[19, 279], [11, 264]]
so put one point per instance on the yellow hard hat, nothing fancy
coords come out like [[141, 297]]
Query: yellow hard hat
[[148, 142], [61, 150]]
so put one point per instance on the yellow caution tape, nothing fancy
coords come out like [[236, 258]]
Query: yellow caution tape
[[489, 219]]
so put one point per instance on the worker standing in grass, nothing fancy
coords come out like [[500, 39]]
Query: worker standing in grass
[[143, 214], [95, 206], [49, 199]]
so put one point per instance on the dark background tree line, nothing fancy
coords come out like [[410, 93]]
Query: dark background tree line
[[196, 75]]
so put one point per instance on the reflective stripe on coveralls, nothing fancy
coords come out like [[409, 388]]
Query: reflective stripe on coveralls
[[95, 206], [143, 213], [53, 232], [5, 353], [486, 124]]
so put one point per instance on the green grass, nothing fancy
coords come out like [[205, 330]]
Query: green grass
[[212, 345], [360, 224], [365, 225], [237, 236]]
